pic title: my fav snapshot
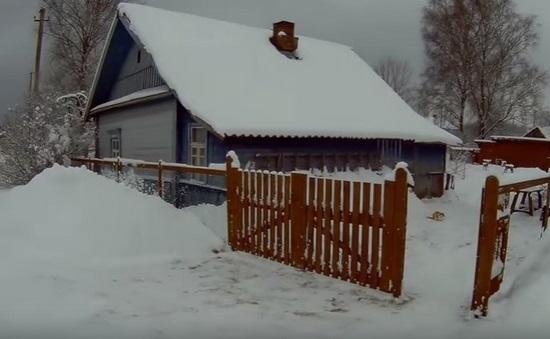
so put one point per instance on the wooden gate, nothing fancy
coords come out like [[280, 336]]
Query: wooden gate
[[354, 231], [493, 237]]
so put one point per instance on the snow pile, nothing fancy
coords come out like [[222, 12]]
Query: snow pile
[[222, 70], [82, 254], [81, 216]]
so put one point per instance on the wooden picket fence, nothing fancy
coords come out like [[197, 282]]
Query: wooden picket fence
[[354, 231], [492, 244]]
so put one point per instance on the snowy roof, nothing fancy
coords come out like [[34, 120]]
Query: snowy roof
[[232, 78], [146, 94], [504, 137]]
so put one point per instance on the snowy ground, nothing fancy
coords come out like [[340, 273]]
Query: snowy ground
[[81, 256]]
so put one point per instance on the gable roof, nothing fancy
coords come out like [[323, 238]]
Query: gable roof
[[539, 132], [232, 78]]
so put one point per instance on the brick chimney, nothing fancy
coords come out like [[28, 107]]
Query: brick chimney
[[283, 37]]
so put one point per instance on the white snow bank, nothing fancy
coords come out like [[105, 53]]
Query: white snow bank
[[221, 71], [80, 216]]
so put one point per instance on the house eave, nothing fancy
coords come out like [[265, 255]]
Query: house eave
[[97, 111]]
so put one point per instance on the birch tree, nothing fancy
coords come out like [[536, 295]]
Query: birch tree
[[479, 61]]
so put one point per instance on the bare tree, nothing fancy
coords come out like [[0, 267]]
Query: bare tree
[[398, 75], [78, 29], [478, 61]]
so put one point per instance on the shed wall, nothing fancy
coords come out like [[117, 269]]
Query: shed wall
[[520, 153]]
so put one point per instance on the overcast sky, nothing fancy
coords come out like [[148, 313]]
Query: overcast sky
[[374, 28]]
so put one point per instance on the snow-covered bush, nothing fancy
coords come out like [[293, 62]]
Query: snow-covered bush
[[129, 178], [47, 129]]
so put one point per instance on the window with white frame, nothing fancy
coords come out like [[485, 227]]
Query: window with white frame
[[197, 149], [115, 145]]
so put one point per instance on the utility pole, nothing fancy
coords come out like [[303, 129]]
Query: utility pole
[[36, 72]]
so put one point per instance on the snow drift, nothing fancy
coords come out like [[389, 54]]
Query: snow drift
[[83, 256], [76, 214]]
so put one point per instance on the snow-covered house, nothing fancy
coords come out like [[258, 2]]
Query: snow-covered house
[[187, 89]]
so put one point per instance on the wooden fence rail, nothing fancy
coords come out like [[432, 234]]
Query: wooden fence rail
[[354, 231], [161, 167]]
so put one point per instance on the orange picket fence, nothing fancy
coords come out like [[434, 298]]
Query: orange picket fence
[[354, 231]]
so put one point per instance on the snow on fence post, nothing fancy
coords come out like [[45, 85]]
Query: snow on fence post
[[233, 203], [160, 181], [298, 182], [400, 229], [486, 246]]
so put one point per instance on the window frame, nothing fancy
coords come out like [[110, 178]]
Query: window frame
[[201, 160], [115, 135]]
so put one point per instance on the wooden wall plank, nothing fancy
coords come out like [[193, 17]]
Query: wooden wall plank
[[246, 210], [327, 230], [319, 225], [365, 235], [388, 230], [336, 254], [265, 214], [287, 207], [355, 231], [374, 273], [312, 186], [272, 226], [298, 218], [345, 239], [259, 225], [280, 204]]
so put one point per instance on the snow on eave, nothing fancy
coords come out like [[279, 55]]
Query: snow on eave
[[144, 95], [462, 148], [484, 141], [512, 138], [320, 136]]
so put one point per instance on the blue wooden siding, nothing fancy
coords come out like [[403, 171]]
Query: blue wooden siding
[[117, 52], [123, 72]]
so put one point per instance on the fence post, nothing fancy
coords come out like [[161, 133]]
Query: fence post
[[233, 215], [485, 246], [400, 229], [160, 181], [546, 211], [298, 183], [118, 168]]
